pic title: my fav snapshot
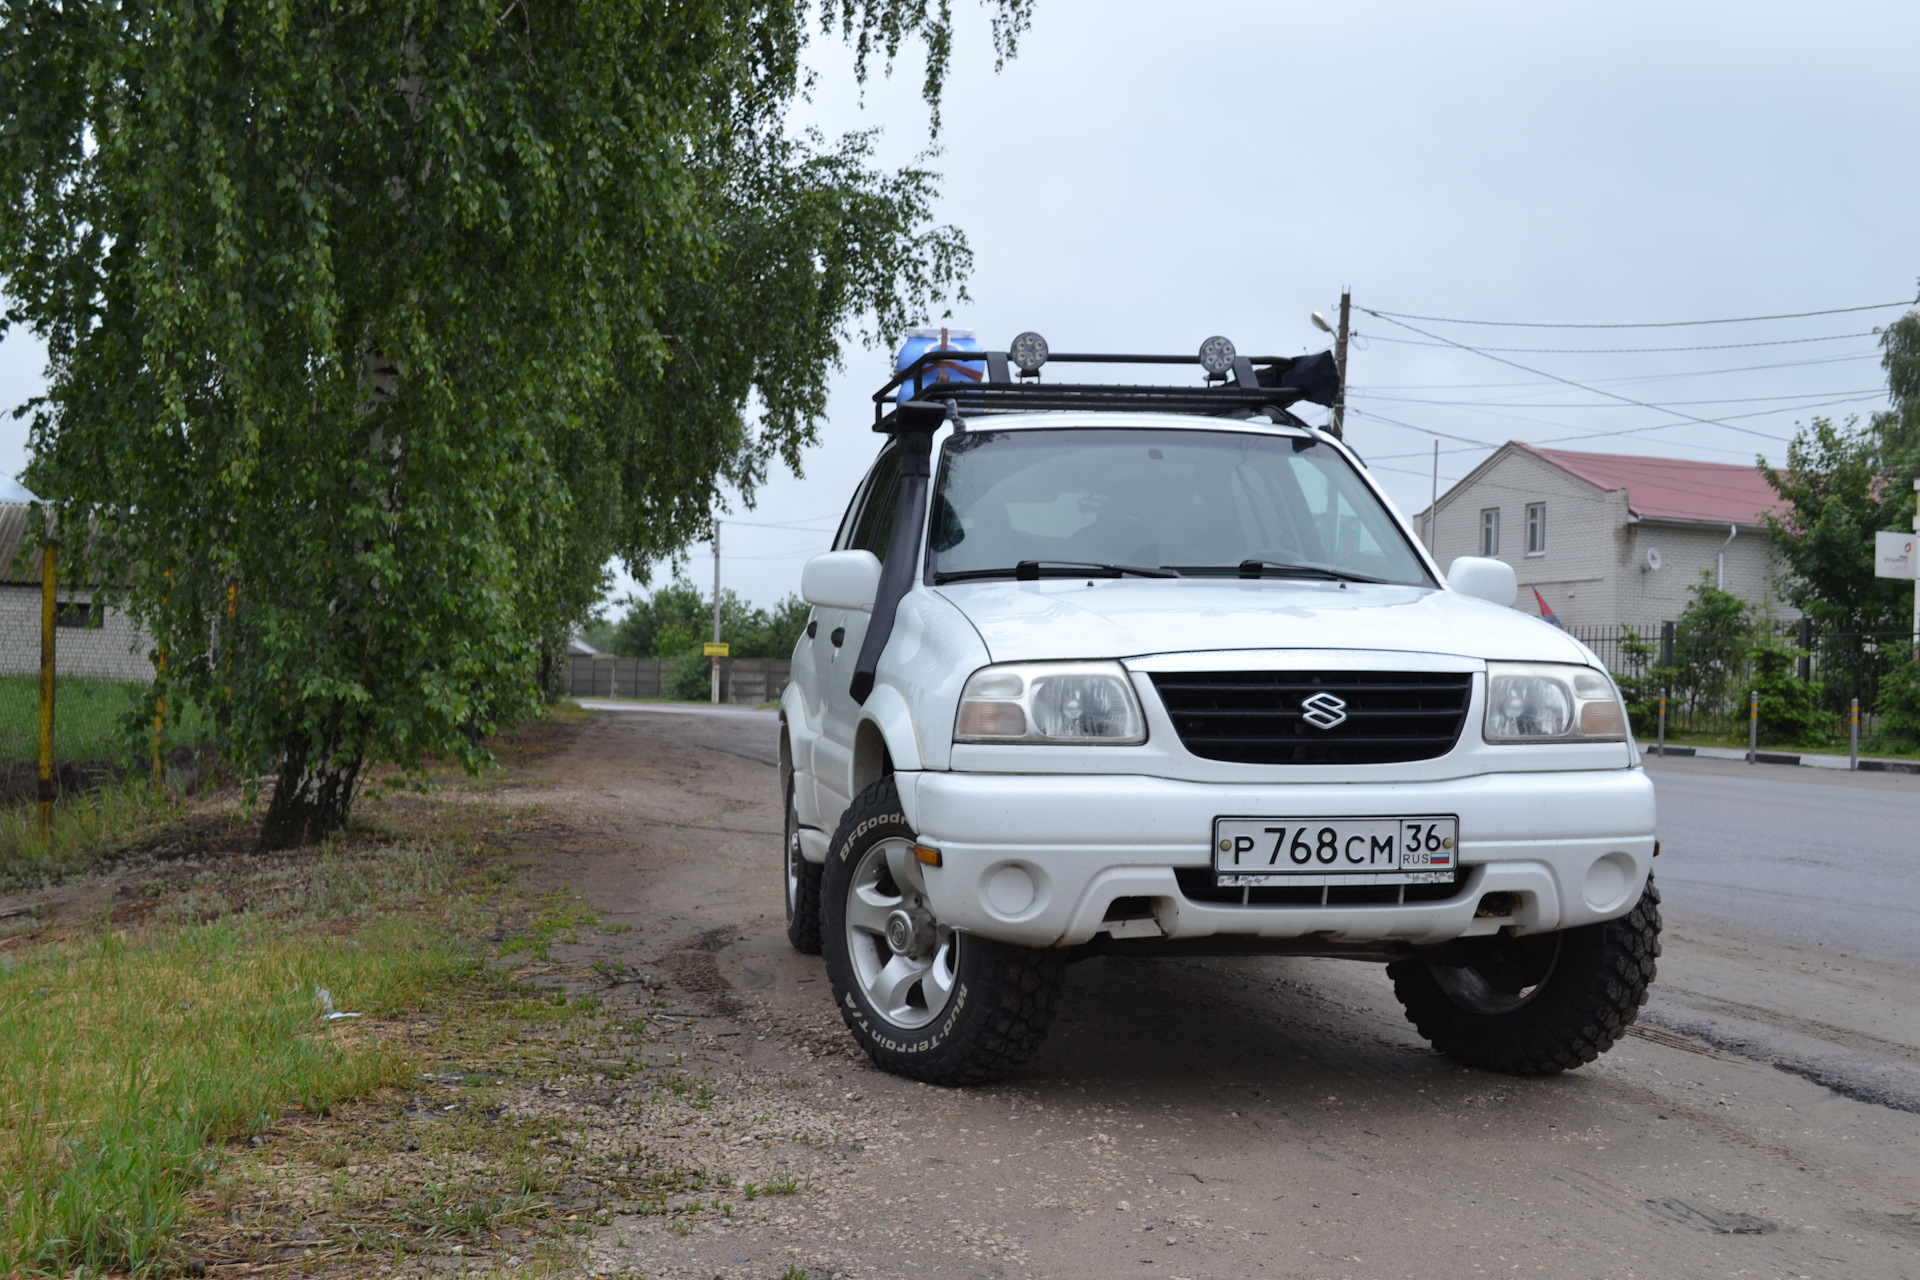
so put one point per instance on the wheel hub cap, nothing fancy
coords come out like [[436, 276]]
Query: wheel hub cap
[[909, 932]]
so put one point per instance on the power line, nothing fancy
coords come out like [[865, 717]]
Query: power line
[[1859, 392], [1542, 373], [1651, 324], [775, 524], [1626, 380], [1619, 351], [1663, 426]]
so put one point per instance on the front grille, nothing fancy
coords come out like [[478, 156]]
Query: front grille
[[1257, 717], [1197, 885]]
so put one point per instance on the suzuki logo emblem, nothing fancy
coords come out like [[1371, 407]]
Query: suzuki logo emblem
[[1324, 711]]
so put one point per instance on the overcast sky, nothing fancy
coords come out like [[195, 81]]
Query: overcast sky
[[1144, 175]]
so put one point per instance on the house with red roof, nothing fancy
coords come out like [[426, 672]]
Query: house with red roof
[[1608, 539]]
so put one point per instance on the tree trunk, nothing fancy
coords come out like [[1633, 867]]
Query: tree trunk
[[309, 804]]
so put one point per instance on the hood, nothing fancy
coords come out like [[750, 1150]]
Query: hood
[[1134, 617]]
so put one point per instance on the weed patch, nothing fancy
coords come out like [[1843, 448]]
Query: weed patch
[[87, 828], [552, 917], [123, 1057]]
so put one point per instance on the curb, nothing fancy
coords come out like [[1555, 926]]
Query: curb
[[1807, 761]]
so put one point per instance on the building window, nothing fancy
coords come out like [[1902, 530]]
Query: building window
[[78, 613], [1536, 528], [1490, 532]]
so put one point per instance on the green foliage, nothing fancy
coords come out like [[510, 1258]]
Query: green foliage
[[1899, 427], [690, 679], [677, 618], [1790, 714], [1897, 707], [1642, 691], [397, 320], [1845, 483], [1709, 650]]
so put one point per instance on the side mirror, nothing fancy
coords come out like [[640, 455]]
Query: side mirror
[[1484, 579], [848, 580]]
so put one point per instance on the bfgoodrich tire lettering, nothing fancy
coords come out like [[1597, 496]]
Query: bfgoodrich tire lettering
[[1474, 1002], [1002, 997]]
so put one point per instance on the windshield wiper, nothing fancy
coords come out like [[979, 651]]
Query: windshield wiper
[[1281, 569], [1034, 570], [1029, 570]]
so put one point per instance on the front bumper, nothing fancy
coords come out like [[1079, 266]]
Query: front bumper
[[1039, 860]]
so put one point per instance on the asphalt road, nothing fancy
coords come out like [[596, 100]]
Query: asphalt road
[[1277, 1116], [1816, 856]]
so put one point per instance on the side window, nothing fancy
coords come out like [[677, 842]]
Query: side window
[[843, 540], [873, 527]]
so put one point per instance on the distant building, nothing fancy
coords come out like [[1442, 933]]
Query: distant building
[[89, 639], [1610, 539]]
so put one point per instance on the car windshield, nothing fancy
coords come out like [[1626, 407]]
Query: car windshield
[[1112, 500]]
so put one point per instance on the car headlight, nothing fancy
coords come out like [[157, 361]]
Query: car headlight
[[1552, 702], [1064, 703]]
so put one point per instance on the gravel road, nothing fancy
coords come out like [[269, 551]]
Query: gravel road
[[1278, 1117]]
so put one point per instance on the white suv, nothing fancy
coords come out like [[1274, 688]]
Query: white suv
[[1084, 679]]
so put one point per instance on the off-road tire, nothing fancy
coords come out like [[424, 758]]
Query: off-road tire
[[800, 885], [1592, 994], [1003, 1002]]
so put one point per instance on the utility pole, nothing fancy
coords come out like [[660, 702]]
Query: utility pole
[[716, 611], [49, 583], [1340, 363], [1433, 499]]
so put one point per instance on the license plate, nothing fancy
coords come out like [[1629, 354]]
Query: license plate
[[1329, 851]]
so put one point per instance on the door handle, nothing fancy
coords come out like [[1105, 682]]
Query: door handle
[[839, 636]]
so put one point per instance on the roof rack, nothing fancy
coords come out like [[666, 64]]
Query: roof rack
[[1235, 386]]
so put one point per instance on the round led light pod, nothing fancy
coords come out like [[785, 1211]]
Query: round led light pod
[[1029, 352], [1216, 356]]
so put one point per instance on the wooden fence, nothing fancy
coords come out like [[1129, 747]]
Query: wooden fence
[[747, 681]]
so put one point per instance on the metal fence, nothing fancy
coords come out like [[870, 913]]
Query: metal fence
[[1706, 677], [745, 681]]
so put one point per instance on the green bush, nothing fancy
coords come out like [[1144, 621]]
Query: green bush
[[1642, 692], [1709, 651], [1789, 706], [690, 679], [1897, 707]]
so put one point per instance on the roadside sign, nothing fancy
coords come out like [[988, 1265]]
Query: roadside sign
[[712, 650], [1893, 555]]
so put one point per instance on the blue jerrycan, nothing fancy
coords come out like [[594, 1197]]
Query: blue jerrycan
[[921, 341]]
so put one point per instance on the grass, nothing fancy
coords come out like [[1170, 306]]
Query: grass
[[173, 1100], [122, 1058], [85, 828], [93, 720]]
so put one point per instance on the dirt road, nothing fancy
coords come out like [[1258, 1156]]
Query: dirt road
[[1224, 1118]]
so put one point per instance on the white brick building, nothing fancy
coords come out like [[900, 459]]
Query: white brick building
[[89, 640], [1586, 530]]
